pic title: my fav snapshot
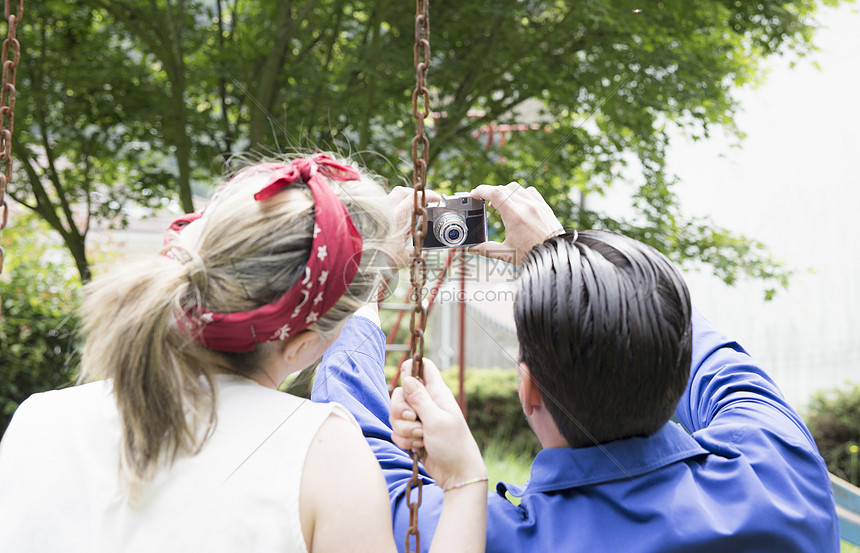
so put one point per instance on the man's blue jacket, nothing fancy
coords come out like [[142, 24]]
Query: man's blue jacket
[[740, 472]]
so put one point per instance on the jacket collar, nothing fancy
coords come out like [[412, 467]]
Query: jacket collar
[[563, 468]]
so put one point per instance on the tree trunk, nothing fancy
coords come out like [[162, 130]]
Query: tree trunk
[[77, 245], [268, 76], [182, 141], [272, 66]]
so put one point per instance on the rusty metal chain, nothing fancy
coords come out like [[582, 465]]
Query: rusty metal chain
[[418, 267], [7, 108]]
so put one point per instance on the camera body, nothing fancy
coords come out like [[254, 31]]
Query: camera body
[[458, 220]]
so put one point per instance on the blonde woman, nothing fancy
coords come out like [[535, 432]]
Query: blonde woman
[[181, 441]]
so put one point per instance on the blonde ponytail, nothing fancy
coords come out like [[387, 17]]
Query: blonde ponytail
[[240, 255], [133, 340]]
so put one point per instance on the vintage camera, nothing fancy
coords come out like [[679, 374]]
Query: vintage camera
[[457, 220]]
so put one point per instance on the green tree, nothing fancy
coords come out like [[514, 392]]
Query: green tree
[[88, 137]]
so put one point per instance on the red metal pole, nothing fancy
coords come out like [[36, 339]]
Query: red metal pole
[[461, 396]]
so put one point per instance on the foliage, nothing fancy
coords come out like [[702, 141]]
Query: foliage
[[834, 420], [38, 291], [145, 95]]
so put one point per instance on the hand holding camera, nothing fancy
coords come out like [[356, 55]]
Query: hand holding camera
[[528, 220], [460, 220]]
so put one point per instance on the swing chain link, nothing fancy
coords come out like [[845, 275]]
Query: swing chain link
[[7, 107], [418, 267]]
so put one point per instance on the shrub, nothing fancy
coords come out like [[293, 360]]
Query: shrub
[[834, 420], [38, 293], [493, 410]]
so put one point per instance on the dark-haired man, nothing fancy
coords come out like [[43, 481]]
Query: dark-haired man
[[610, 349]]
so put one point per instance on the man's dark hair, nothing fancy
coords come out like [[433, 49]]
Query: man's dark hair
[[604, 326]]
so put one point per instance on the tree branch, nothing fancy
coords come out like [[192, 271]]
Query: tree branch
[[44, 207], [151, 35]]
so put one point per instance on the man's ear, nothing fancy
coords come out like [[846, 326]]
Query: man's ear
[[528, 390]]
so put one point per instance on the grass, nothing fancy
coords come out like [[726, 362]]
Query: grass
[[508, 466]]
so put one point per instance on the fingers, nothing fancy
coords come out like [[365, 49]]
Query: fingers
[[527, 218], [498, 196], [406, 368], [407, 444], [420, 400], [399, 193], [431, 401], [399, 406], [510, 199], [402, 201], [432, 196], [403, 212], [438, 390], [428, 418], [493, 195], [407, 441], [407, 434], [435, 386], [406, 430]]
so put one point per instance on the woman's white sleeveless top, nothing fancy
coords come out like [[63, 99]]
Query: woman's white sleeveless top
[[60, 487]]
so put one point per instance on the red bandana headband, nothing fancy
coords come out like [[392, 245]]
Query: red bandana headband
[[333, 262]]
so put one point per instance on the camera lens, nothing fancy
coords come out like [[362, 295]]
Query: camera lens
[[450, 229]]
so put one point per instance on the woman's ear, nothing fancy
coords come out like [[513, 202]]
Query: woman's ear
[[302, 350], [298, 352]]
